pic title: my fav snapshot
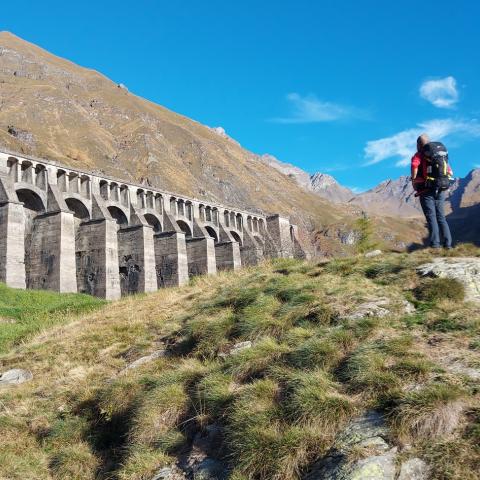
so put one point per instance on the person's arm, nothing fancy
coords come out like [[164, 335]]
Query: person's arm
[[414, 174], [414, 167]]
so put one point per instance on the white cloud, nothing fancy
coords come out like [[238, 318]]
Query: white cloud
[[442, 93], [402, 145], [309, 109]]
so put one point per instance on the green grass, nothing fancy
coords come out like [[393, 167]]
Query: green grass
[[26, 312]]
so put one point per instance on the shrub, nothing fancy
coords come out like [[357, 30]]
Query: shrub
[[435, 289], [366, 241]]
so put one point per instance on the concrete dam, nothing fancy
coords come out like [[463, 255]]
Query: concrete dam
[[69, 230]]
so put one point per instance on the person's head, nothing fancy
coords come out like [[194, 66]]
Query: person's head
[[422, 140]]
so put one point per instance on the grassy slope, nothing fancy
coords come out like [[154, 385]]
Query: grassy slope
[[26, 312], [280, 402]]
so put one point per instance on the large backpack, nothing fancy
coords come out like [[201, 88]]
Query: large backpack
[[436, 156]]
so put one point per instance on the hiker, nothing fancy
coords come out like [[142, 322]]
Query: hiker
[[431, 175]]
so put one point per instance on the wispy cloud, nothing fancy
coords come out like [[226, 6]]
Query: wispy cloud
[[442, 92], [402, 145], [310, 109]]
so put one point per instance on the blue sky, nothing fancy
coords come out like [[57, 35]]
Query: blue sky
[[338, 86]]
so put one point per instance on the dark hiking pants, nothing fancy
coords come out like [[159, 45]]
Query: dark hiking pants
[[433, 206]]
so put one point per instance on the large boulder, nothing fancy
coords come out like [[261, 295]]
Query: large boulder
[[465, 270]]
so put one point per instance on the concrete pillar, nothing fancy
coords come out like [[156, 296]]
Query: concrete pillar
[[97, 253], [136, 259], [171, 259], [201, 256], [228, 255], [51, 256], [12, 234], [280, 237], [251, 251], [97, 259]]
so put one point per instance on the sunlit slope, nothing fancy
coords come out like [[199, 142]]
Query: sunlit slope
[[278, 402]]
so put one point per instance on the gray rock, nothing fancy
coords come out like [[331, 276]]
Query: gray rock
[[169, 473], [238, 347], [378, 467], [360, 430], [369, 433], [408, 307], [414, 469], [209, 469], [146, 359], [373, 308], [373, 253], [465, 270], [15, 377]]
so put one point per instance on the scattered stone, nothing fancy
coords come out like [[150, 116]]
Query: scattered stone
[[146, 359], [465, 270], [209, 469], [169, 473], [373, 253], [408, 307], [369, 433], [238, 347], [373, 308], [15, 377], [414, 469]]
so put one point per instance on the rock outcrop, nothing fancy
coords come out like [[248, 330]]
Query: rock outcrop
[[465, 270]]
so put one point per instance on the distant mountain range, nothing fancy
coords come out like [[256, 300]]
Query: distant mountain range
[[389, 198], [396, 198]]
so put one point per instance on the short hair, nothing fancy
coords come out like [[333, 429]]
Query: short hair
[[422, 140]]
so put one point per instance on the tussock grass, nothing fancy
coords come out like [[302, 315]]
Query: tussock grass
[[280, 402], [437, 289], [433, 411]]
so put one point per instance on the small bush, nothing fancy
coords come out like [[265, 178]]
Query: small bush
[[436, 289]]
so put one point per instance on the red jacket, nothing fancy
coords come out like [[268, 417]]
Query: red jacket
[[421, 163]]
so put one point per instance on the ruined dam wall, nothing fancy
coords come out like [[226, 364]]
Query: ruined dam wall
[[73, 231]]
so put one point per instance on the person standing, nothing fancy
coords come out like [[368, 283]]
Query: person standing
[[431, 175]]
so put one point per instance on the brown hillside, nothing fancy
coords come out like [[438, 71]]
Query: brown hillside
[[52, 108]]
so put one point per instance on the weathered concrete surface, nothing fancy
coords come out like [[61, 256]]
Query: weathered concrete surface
[[97, 259], [465, 270], [136, 259], [228, 256], [69, 230], [50, 259], [171, 259], [201, 256]]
